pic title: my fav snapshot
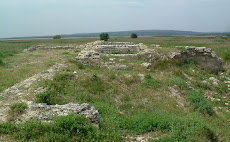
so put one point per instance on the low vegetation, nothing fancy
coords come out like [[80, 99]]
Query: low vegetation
[[199, 103], [16, 109]]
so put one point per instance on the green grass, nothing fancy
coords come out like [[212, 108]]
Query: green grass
[[199, 103], [65, 128]]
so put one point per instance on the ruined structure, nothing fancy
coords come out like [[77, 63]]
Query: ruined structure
[[20, 91], [91, 54], [37, 47], [205, 57]]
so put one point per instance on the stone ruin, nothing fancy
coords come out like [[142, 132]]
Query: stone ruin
[[91, 54], [41, 111], [37, 47], [205, 57], [93, 51], [46, 112]]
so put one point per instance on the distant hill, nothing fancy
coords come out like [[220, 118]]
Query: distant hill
[[138, 32], [128, 33]]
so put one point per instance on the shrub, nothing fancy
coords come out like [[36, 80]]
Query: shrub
[[17, 108], [44, 97], [133, 35], [57, 37], [104, 36], [1, 62], [74, 126], [199, 103]]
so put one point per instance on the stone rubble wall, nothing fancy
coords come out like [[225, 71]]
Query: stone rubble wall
[[20, 91], [46, 112], [110, 49], [38, 47], [17, 92], [205, 57], [94, 50]]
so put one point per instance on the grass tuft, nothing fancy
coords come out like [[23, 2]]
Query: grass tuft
[[199, 103]]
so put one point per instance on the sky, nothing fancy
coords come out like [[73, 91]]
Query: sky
[[19, 18]]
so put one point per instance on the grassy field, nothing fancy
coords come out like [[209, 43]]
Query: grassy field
[[162, 105]]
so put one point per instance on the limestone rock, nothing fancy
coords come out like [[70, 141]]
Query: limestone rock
[[215, 81], [33, 48], [205, 57], [45, 112], [117, 67], [147, 65], [155, 45]]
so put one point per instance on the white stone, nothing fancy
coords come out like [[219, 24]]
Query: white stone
[[147, 65]]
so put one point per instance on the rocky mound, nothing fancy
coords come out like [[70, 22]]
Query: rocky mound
[[205, 57]]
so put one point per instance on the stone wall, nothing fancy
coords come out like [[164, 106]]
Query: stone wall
[[205, 57], [46, 112], [93, 51]]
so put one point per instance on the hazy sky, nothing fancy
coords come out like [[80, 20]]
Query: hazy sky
[[49, 17]]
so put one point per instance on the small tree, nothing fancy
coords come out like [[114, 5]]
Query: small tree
[[57, 37], [133, 35], [104, 36]]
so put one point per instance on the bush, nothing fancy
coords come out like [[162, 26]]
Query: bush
[[44, 97], [133, 35], [17, 108], [57, 37], [1, 62], [199, 103], [104, 36], [74, 126]]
